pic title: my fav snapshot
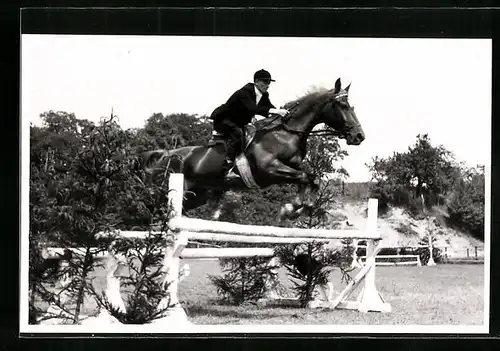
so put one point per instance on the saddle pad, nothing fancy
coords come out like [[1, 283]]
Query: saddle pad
[[245, 171]]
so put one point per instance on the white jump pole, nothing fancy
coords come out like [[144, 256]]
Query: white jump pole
[[370, 298], [171, 264], [225, 237], [201, 225]]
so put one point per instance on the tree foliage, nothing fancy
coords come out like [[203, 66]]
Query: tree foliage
[[466, 204], [244, 279], [424, 170], [82, 182], [172, 131], [323, 157], [430, 172]]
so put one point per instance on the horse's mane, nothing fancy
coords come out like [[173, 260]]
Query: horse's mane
[[311, 96], [303, 102]]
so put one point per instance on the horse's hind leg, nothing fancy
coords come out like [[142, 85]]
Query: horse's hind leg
[[291, 210], [310, 192], [306, 181], [303, 202]]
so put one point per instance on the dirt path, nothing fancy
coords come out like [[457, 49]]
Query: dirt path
[[399, 229]]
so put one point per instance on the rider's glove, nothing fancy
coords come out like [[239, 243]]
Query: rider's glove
[[279, 111]]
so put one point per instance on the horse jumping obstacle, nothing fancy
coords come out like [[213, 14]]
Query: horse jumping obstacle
[[357, 261], [184, 228], [369, 299], [415, 261]]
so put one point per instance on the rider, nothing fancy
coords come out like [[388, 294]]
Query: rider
[[252, 99]]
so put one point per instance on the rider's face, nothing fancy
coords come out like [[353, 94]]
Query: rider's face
[[262, 85]]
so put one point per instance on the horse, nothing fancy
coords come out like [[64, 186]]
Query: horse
[[272, 154]]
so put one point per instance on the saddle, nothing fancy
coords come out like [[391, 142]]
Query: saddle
[[242, 166], [219, 138], [249, 130]]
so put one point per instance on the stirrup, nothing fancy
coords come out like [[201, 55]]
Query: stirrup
[[231, 174]]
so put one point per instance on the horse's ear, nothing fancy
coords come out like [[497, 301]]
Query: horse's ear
[[337, 85], [347, 88]]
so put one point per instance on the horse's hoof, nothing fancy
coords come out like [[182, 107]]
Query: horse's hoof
[[216, 215], [281, 215], [231, 175], [285, 211]]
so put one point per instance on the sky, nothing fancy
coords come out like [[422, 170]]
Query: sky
[[399, 87]]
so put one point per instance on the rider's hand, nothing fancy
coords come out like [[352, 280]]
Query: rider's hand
[[279, 111]]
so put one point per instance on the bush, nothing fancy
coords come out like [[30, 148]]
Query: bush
[[310, 265], [466, 205], [244, 279], [144, 302], [356, 191], [406, 229], [423, 252]]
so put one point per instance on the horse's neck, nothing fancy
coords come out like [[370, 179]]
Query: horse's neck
[[303, 123]]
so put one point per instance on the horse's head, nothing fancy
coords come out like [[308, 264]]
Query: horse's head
[[339, 115]]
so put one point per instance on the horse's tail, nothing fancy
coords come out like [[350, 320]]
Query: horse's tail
[[161, 160], [149, 160]]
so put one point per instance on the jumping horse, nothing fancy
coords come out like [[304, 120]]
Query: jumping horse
[[273, 152]]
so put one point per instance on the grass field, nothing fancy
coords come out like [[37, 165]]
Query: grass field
[[440, 295]]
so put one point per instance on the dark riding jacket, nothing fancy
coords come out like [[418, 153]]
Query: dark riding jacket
[[241, 106]]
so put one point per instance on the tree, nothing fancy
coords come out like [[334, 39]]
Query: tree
[[424, 170], [466, 204], [431, 166], [322, 156], [172, 131], [82, 183]]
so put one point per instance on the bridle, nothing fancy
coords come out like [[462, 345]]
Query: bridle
[[321, 132]]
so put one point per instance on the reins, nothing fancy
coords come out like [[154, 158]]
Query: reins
[[322, 132], [284, 120]]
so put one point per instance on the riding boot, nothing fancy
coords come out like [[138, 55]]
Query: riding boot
[[228, 167], [232, 151]]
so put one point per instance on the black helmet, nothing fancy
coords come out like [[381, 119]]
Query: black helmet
[[263, 75]]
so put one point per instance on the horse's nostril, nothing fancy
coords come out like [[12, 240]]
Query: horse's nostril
[[360, 136]]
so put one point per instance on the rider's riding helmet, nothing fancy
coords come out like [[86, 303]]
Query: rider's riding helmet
[[264, 75]]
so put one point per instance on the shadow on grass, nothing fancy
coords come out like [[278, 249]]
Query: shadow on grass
[[225, 310]]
